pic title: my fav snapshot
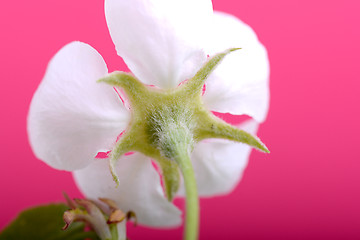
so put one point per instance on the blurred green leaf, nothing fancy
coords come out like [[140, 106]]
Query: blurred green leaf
[[45, 223]]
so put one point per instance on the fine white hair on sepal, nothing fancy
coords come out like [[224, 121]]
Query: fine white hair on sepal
[[171, 127]]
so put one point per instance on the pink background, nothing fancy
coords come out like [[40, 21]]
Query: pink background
[[307, 188]]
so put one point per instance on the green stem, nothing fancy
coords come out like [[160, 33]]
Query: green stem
[[118, 230], [192, 200], [114, 232]]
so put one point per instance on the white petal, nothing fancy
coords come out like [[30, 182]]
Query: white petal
[[218, 164], [240, 84], [71, 116], [159, 40], [139, 189]]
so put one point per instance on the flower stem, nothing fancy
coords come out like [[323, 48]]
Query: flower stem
[[192, 200], [118, 230]]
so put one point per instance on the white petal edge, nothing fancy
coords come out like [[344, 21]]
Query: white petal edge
[[139, 189], [71, 116], [160, 41], [219, 164], [240, 84]]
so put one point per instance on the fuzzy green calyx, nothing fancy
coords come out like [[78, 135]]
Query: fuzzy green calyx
[[164, 122]]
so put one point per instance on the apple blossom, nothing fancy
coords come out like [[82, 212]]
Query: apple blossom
[[73, 117]]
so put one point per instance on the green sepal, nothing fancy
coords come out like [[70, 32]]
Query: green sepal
[[133, 88], [212, 127], [45, 223], [171, 177], [195, 84]]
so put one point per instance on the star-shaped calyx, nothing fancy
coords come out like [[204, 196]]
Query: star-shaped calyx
[[167, 123]]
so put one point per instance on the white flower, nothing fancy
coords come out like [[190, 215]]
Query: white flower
[[72, 117]]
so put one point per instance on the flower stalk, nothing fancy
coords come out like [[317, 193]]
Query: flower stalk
[[192, 200], [176, 141]]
